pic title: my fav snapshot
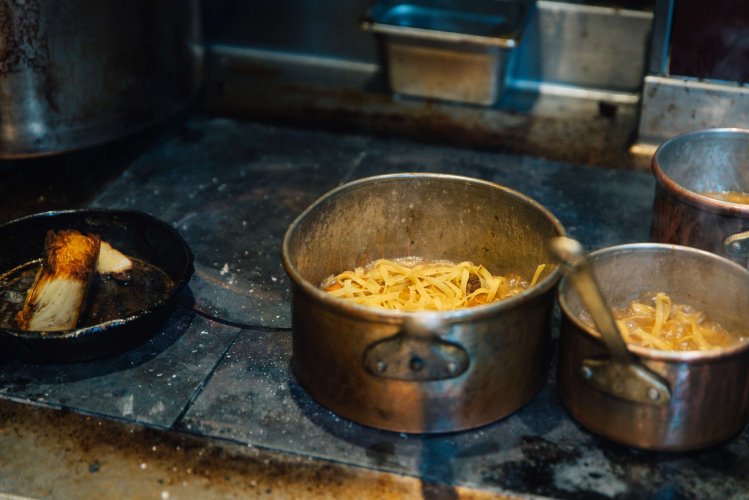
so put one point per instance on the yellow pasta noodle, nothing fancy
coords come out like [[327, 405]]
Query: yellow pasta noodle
[[654, 321], [413, 284]]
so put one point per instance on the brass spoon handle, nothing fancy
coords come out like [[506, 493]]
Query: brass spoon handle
[[569, 252], [623, 376]]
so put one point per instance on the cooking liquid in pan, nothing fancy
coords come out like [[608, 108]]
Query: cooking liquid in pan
[[730, 196], [112, 296], [653, 321]]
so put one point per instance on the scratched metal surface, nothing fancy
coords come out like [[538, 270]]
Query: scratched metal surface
[[151, 384]]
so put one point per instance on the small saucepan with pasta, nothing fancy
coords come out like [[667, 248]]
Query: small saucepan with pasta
[[684, 316], [422, 302]]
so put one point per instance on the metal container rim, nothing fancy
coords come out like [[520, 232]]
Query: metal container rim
[[692, 197], [393, 317], [645, 352], [506, 42]]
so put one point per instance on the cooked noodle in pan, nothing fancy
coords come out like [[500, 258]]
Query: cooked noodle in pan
[[413, 284], [654, 321]]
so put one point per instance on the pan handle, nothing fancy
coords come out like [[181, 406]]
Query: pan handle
[[417, 353], [737, 245]]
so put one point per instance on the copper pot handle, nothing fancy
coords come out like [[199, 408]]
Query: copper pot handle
[[417, 353], [622, 375], [737, 245]]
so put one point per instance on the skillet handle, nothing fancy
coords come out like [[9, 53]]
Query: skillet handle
[[417, 353]]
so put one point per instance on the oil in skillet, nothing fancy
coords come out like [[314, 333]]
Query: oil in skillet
[[112, 296]]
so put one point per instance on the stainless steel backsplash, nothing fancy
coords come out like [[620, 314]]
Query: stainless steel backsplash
[[567, 46]]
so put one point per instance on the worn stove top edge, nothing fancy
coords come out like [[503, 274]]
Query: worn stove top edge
[[48, 453]]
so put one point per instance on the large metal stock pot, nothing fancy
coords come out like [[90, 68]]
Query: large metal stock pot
[[709, 390], [79, 73], [689, 165], [421, 372]]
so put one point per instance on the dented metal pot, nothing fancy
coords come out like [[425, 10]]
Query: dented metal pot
[[691, 399], [78, 73], [421, 372]]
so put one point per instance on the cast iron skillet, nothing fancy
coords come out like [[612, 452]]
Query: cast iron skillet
[[132, 232]]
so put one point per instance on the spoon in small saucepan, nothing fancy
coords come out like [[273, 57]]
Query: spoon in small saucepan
[[622, 375]]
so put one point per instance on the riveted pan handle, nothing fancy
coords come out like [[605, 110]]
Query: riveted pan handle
[[417, 353]]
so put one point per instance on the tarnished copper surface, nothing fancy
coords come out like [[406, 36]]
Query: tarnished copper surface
[[709, 400], [701, 226], [684, 168], [58, 454]]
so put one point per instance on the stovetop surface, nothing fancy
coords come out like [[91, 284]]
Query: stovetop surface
[[220, 367]]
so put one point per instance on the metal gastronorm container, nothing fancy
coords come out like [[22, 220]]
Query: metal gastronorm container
[[455, 51]]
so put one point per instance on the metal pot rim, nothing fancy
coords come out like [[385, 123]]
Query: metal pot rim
[[393, 317], [645, 352], [692, 197]]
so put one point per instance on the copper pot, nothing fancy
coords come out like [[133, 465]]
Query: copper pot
[[421, 372], [708, 398], [685, 167]]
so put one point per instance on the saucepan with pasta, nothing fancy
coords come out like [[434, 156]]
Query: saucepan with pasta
[[684, 316], [422, 302]]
